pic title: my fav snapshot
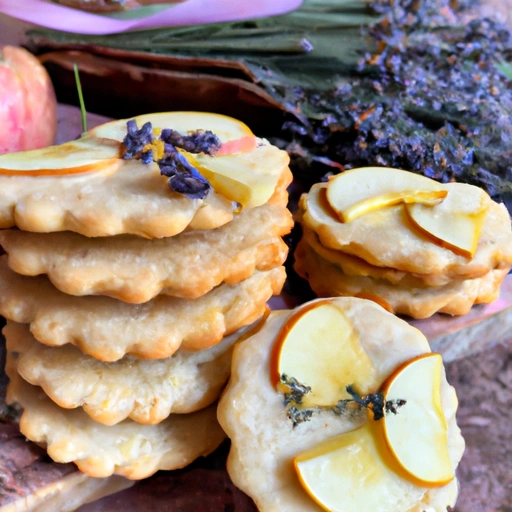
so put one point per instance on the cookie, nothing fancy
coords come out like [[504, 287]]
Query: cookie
[[128, 449], [135, 270], [155, 329], [264, 440], [387, 238], [146, 391], [349, 264], [455, 298], [85, 186]]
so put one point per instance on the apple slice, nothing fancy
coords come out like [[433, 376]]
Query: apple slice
[[347, 473], [87, 154], [319, 347], [235, 146], [418, 434], [248, 178], [359, 191], [457, 222], [226, 128]]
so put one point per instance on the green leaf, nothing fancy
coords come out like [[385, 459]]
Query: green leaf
[[83, 111]]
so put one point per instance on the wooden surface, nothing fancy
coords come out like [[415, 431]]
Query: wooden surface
[[456, 337]]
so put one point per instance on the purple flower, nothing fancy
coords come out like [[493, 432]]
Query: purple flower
[[183, 177]]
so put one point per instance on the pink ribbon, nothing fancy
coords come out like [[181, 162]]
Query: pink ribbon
[[191, 12]]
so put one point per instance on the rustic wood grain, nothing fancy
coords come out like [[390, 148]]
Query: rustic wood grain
[[484, 387]]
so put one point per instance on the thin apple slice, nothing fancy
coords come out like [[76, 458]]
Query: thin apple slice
[[418, 434], [242, 145], [457, 222], [226, 128], [347, 473], [248, 178], [87, 154], [320, 348], [359, 191]]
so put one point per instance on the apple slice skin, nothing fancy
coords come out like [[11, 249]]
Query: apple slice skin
[[104, 166], [413, 392], [353, 193], [241, 145], [378, 300]]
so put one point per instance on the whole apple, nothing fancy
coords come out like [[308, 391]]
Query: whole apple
[[28, 108]]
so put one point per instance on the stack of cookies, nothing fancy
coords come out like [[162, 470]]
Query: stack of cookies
[[130, 278], [412, 245]]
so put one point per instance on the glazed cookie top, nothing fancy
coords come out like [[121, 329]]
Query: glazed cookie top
[[329, 345], [408, 236], [179, 171]]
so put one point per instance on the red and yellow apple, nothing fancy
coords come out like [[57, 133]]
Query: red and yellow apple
[[28, 108]]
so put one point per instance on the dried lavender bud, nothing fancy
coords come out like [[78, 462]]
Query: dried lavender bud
[[136, 140], [429, 98], [192, 185], [183, 177], [394, 405], [297, 390], [373, 401], [299, 416], [197, 142]]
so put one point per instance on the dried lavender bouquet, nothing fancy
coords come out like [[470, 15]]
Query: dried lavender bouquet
[[401, 83]]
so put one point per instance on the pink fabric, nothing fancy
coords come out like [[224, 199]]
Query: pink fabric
[[191, 12]]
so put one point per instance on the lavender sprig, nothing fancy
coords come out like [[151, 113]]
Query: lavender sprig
[[184, 178], [375, 402], [137, 140], [197, 142]]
